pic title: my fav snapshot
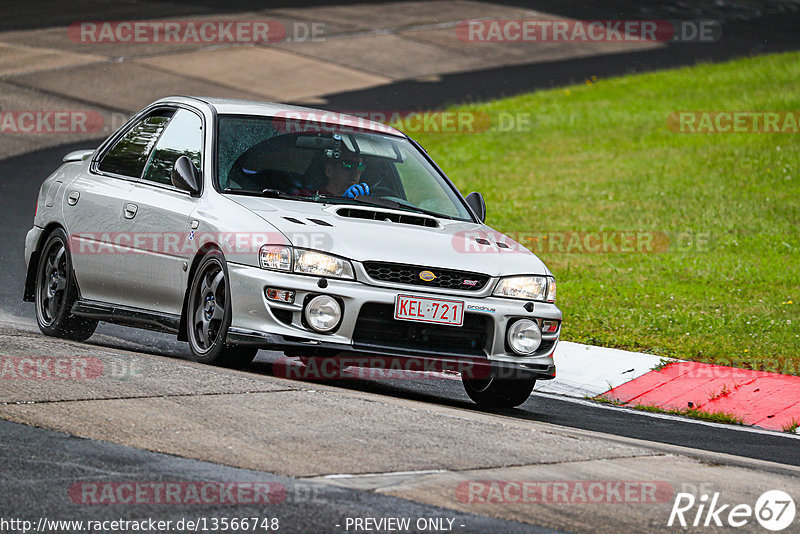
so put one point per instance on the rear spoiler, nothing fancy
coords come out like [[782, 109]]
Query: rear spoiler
[[78, 155]]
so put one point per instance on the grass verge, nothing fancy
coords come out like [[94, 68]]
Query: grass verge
[[723, 286], [791, 427]]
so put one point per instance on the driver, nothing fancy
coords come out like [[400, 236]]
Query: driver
[[342, 176]]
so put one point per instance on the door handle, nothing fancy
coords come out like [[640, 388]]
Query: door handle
[[73, 197], [130, 210]]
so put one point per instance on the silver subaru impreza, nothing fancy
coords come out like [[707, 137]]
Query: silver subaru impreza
[[242, 226]]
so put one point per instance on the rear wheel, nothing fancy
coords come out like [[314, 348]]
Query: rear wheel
[[209, 315], [498, 392], [56, 292]]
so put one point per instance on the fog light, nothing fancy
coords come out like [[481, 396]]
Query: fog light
[[524, 336], [549, 327], [323, 313], [279, 295]]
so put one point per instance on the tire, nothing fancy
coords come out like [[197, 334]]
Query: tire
[[498, 392], [208, 316], [56, 292]]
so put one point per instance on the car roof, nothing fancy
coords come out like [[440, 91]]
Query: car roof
[[231, 106]]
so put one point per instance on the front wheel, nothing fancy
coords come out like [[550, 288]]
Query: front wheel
[[56, 292], [498, 392], [209, 316]]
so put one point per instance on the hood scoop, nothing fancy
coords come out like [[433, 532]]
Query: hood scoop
[[389, 216]]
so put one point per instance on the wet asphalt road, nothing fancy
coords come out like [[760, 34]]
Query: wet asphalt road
[[51, 476], [20, 181]]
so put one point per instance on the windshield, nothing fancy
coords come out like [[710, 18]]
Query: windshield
[[322, 162]]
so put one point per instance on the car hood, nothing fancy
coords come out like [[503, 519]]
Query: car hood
[[459, 245]]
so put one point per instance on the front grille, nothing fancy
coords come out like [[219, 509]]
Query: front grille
[[376, 325], [410, 274]]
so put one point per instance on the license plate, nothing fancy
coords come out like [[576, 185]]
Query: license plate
[[429, 310]]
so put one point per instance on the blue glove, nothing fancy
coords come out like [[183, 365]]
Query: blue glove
[[356, 190]]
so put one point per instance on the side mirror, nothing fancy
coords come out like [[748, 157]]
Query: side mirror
[[185, 176], [478, 205]]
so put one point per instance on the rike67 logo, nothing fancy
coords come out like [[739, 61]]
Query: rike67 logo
[[774, 510]]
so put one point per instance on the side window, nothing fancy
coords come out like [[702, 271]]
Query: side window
[[236, 136], [129, 154], [182, 137]]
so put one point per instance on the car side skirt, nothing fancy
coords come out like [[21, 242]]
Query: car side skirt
[[126, 316]]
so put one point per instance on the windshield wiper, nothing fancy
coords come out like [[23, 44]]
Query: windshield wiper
[[269, 193], [277, 193]]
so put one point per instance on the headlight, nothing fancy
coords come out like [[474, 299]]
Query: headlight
[[275, 257], [524, 337], [317, 263], [527, 288], [323, 313], [285, 258]]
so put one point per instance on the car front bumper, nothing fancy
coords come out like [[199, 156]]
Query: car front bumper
[[257, 321]]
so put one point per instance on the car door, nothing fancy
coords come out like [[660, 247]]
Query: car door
[[158, 217], [94, 207]]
